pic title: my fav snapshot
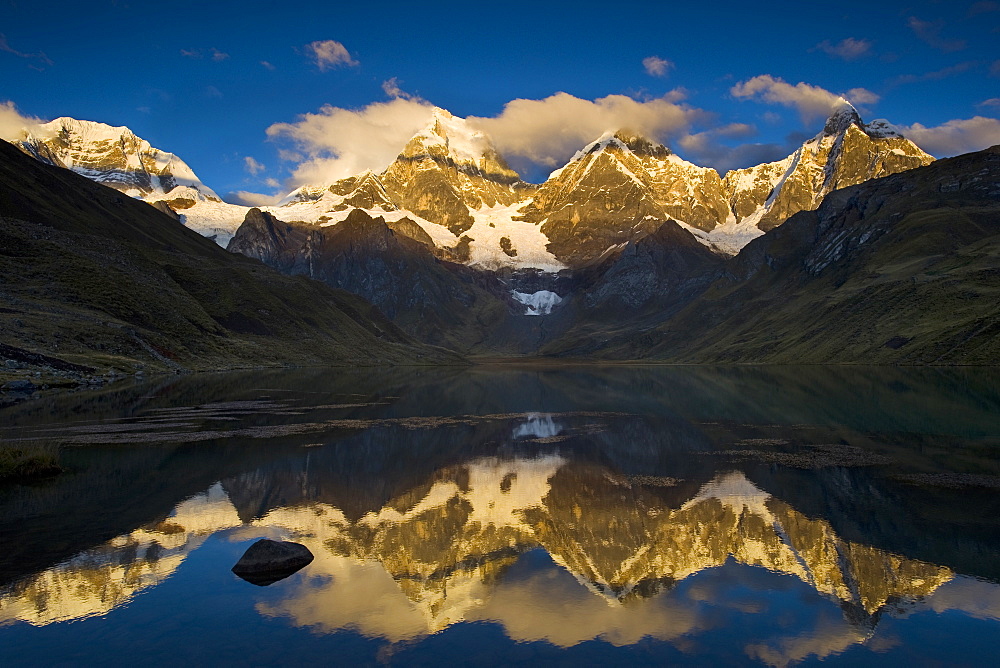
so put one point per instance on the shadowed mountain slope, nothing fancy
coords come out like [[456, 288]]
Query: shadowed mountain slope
[[439, 302], [96, 277]]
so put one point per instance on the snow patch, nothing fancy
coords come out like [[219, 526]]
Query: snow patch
[[538, 425], [491, 225], [538, 303]]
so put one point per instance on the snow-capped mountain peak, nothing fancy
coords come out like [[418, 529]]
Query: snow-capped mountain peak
[[455, 137], [845, 153], [621, 144], [112, 155]]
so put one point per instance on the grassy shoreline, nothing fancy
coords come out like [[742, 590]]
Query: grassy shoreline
[[24, 462]]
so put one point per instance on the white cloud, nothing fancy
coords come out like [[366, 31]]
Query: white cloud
[[956, 136], [13, 123], [811, 101], [861, 96], [336, 143], [992, 102], [246, 198], [252, 166], [848, 49], [656, 66], [549, 131], [328, 54], [267, 65]]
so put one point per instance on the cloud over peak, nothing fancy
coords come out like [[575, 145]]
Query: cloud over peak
[[335, 143], [247, 198], [13, 123], [810, 101], [550, 130]]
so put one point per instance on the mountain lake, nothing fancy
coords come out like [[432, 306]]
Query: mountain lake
[[493, 515]]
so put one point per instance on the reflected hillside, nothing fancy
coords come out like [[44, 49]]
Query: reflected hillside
[[98, 580], [453, 549]]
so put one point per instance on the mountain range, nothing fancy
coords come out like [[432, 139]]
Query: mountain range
[[473, 208], [858, 247]]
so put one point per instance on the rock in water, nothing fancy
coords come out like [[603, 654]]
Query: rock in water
[[19, 387], [268, 561]]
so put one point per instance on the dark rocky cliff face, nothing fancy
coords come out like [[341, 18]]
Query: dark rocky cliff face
[[276, 244], [644, 284], [651, 274], [437, 301]]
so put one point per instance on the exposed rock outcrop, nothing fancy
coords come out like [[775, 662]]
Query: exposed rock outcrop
[[267, 561]]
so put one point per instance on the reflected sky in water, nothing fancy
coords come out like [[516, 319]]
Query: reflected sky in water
[[488, 516]]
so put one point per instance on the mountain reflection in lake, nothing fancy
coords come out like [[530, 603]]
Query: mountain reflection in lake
[[498, 515]]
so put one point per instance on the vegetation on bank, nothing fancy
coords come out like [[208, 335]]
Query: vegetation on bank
[[28, 461]]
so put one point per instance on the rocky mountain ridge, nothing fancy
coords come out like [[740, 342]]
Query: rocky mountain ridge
[[847, 152], [899, 270], [451, 182]]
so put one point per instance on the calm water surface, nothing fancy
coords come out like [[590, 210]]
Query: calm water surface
[[576, 515]]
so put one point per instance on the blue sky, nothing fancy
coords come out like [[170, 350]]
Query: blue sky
[[717, 83]]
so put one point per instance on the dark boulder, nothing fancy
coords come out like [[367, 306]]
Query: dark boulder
[[268, 561]]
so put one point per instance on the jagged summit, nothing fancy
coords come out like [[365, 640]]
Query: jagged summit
[[449, 169], [843, 116], [640, 145], [450, 137], [617, 142]]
